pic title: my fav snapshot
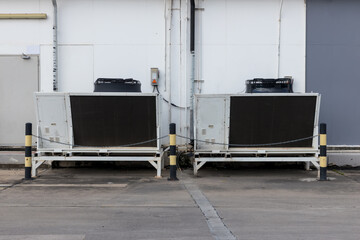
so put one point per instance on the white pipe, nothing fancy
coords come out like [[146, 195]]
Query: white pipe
[[186, 83], [192, 94], [192, 77], [279, 40], [180, 88], [55, 49], [168, 16], [305, 48]]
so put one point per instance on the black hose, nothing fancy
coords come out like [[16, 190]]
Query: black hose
[[172, 104], [192, 26]]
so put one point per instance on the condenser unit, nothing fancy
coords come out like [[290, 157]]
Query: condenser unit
[[97, 127], [256, 128]]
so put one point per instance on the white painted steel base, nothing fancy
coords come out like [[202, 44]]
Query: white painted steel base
[[200, 161], [154, 161]]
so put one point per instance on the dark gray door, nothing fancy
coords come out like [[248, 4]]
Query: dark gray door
[[333, 66], [19, 79]]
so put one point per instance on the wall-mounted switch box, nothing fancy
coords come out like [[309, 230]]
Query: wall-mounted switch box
[[154, 76]]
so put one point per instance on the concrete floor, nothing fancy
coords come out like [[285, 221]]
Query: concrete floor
[[131, 204]]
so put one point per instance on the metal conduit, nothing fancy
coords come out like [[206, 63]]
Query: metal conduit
[[192, 79], [168, 17], [55, 49]]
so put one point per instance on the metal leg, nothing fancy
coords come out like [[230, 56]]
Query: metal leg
[[198, 166], [195, 167], [157, 166], [35, 165], [33, 169], [159, 163], [307, 166], [316, 164], [201, 164]]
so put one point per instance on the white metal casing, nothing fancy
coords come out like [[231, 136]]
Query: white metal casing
[[55, 124]]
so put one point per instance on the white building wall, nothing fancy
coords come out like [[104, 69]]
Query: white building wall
[[236, 40], [114, 39], [239, 40]]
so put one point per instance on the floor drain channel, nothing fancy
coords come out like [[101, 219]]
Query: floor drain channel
[[216, 225]]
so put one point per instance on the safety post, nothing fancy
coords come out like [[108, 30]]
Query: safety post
[[173, 167], [323, 158], [28, 146]]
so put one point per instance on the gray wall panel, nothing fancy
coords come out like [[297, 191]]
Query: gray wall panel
[[333, 66], [19, 79]]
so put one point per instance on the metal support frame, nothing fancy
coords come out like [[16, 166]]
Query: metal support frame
[[54, 151], [200, 161], [35, 164], [155, 161]]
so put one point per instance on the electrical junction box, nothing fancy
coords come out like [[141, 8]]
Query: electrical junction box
[[154, 76]]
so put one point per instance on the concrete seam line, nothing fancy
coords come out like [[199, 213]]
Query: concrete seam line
[[11, 185], [16, 183], [346, 176], [75, 185], [43, 237], [216, 225]]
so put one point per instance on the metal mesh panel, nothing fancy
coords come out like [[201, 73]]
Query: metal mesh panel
[[271, 119], [113, 120]]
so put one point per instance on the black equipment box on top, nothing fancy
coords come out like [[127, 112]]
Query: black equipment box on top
[[117, 85], [262, 85]]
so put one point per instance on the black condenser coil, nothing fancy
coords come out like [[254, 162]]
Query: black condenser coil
[[262, 85], [117, 85]]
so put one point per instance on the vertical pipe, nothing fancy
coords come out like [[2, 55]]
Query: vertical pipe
[[323, 158], [192, 93], [168, 17], [55, 48], [192, 79], [279, 40], [192, 26], [173, 167], [28, 145]]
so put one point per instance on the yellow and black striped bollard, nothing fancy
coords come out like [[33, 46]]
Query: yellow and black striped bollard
[[173, 167], [323, 158], [28, 145]]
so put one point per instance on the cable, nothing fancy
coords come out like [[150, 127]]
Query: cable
[[49, 140], [172, 104], [250, 145], [198, 140], [126, 145]]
